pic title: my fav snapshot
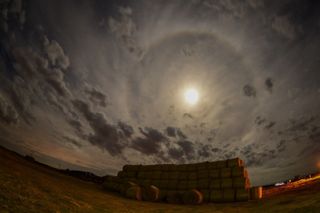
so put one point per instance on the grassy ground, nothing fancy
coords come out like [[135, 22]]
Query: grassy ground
[[28, 187]]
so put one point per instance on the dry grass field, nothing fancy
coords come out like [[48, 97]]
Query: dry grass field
[[29, 187]]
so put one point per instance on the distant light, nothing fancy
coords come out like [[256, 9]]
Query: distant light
[[191, 96], [279, 184]]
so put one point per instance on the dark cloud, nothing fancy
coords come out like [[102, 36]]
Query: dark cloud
[[204, 151], [75, 124], [97, 97], [171, 131], [249, 91], [150, 144], [176, 154], [105, 135], [270, 125], [181, 134], [269, 84], [187, 115], [281, 146], [126, 129], [259, 120], [7, 113], [187, 148]]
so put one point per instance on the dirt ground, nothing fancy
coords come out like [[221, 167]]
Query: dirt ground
[[29, 187]]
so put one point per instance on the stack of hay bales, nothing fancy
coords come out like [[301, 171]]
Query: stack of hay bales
[[220, 181]]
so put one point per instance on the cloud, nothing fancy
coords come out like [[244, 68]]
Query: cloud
[[171, 131], [55, 54], [126, 129], [7, 113], [249, 90], [284, 26], [187, 148], [97, 97], [104, 135], [269, 84]]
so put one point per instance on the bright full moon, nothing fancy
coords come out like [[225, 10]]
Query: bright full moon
[[191, 96]]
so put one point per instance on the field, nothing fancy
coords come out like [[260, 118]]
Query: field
[[29, 187]]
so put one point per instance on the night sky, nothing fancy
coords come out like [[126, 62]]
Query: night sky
[[94, 85]]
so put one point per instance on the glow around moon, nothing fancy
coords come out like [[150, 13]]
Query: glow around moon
[[191, 96]]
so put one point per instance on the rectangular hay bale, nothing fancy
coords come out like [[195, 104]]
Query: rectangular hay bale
[[239, 172], [241, 182], [228, 195], [215, 184], [242, 194], [235, 162], [214, 173], [226, 183], [225, 172], [203, 183], [216, 196]]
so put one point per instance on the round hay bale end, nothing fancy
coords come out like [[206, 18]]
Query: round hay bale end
[[215, 184], [239, 172], [202, 174], [225, 172], [192, 176], [124, 186], [150, 193], [174, 197], [183, 185], [226, 183], [242, 194], [256, 193], [206, 195], [134, 192], [192, 197], [228, 195], [241, 182], [203, 183], [235, 162], [214, 173], [216, 196]]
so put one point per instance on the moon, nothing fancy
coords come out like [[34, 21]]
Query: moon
[[191, 96]]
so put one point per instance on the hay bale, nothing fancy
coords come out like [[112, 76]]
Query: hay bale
[[192, 184], [150, 193], [241, 182], [157, 168], [125, 167], [156, 175], [221, 164], [174, 197], [192, 197], [131, 174], [111, 186], [172, 185], [235, 162], [226, 183], [149, 175], [163, 195], [212, 165], [239, 172], [215, 184], [242, 194], [171, 168], [174, 175], [203, 183], [183, 176], [191, 167], [142, 175], [256, 193], [145, 182], [164, 175], [202, 166], [192, 176], [205, 194], [162, 184], [124, 186], [202, 174], [216, 196], [214, 173], [134, 192], [121, 174], [225, 172], [228, 195], [183, 185]]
